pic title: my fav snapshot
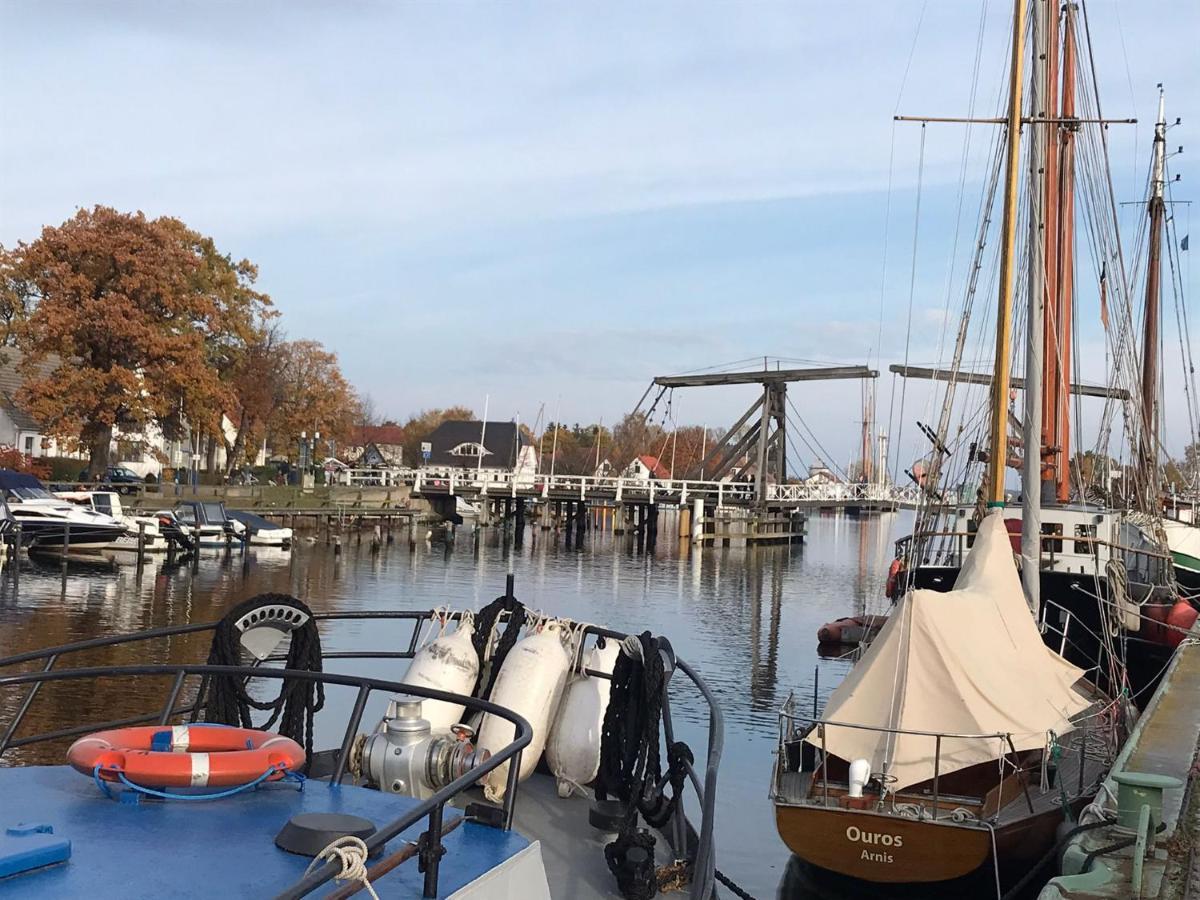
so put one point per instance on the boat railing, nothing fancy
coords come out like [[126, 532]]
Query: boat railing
[[45, 664], [954, 546], [433, 807], [795, 728]]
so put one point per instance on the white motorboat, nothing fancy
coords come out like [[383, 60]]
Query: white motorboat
[[262, 532], [109, 503], [50, 523]]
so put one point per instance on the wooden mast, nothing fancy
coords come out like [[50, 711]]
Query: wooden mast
[[1065, 261], [1000, 383], [1149, 452], [1050, 310]]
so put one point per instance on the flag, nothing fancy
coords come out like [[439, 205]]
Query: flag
[[1183, 245], [1104, 295]]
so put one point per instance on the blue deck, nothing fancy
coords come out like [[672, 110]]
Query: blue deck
[[222, 848]]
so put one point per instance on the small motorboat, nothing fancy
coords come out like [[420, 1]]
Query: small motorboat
[[50, 524], [109, 503], [208, 522], [850, 629], [262, 532]]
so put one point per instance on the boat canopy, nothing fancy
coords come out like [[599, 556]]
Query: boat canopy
[[969, 661]]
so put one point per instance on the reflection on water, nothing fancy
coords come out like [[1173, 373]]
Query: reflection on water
[[745, 618]]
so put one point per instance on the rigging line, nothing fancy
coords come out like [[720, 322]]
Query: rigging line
[[825, 454], [887, 215], [887, 227], [962, 173], [1107, 170], [1128, 80], [1181, 312], [912, 287]]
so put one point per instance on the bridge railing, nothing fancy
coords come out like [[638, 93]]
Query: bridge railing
[[499, 483], [842, 492]]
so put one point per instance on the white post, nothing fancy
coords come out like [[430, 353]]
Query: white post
[[698, 520]]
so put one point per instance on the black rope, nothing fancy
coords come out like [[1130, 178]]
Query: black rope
[[485, 621], [1020, 886], [728, 882], [630, 763], [631, 859], [229, 703]]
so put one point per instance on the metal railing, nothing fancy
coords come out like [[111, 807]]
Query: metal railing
[[680, 832], [954, 546], [674, 490], [793, 727], [433, 807]]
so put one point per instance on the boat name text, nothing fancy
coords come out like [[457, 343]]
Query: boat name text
[[854, 833]]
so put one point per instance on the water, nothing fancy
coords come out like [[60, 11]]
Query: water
[[746, 619]]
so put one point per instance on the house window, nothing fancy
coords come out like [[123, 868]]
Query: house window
[[469, 448], [29, 445]]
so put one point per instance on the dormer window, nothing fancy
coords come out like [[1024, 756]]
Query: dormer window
[[469, 448]]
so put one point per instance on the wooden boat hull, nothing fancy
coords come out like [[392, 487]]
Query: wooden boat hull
[[881, 848], [898, 850]]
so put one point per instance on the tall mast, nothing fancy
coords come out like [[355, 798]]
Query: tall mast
[[1065, 260], [1031, 468], [1149, 452], [1000, 381], [1050, 188]]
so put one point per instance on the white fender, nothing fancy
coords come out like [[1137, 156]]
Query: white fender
[[573, 750], [446, 664], [530, 684]]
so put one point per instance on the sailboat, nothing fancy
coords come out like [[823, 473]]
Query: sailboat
[[931, 749], [961, 740], [1095, 562]]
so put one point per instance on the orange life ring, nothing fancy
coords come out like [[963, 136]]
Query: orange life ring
[[186, 755]]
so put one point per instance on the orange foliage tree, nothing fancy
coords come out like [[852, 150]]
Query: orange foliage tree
[[312, 396], [133, 322]]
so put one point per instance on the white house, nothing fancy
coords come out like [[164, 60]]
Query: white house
[[146, 452], [646, 467]]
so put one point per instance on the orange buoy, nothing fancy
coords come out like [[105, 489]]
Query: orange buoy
[[1183, 616], [186, 755], [893, 579]]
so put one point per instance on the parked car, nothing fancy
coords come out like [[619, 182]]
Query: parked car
[[117, 476]]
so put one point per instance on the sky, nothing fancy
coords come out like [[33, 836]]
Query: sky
[[546, 204]]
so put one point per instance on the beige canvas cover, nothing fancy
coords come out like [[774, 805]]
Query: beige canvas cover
[[968, 661]]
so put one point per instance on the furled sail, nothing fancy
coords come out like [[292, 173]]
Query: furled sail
[[966, 662]]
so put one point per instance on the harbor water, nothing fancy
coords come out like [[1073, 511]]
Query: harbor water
[[745, 618]]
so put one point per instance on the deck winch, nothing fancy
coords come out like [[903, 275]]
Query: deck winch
[[403, 756]]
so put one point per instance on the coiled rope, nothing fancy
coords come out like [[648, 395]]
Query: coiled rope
[[351, 852], [630, 763], [228, 701]]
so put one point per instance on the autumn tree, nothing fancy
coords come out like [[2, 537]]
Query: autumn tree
[[257, 386], [16, 295], [131, 321], [314, 396]]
